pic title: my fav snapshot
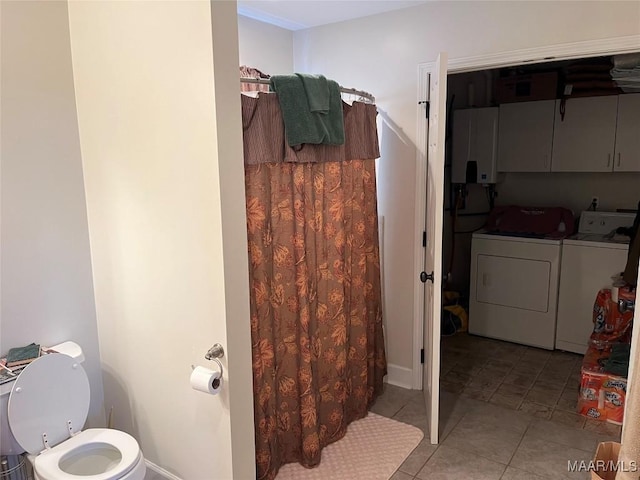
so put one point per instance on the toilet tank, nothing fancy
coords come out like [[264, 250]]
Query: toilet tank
[[8, 444], [71, 349]]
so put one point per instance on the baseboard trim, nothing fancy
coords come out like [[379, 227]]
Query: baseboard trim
[[160, 471], [399, 376]]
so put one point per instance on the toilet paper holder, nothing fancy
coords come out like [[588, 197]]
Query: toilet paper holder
[[214, 352]]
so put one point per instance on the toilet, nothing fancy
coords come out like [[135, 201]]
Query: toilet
[[46, 409]]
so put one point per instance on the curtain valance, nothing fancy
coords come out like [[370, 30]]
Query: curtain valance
[[265, 142]]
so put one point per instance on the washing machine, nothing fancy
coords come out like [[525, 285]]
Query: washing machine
[[589, 260], [514, 288]]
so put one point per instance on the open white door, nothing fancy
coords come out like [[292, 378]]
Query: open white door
[[432, 275]]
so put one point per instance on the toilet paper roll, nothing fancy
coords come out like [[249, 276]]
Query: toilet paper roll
[[206, 380], [614, 293]]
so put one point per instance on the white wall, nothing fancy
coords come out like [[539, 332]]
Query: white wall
[[381, 53], [159, 116], [265, 47], [571, 190], [47, 287]]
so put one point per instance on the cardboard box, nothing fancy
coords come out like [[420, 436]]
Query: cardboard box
[[605, 461], [527, 88]]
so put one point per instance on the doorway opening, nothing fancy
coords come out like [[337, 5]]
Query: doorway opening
[[518, 58], [520, 342]]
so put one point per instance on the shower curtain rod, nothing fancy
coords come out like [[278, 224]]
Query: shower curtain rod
[[352, 91]]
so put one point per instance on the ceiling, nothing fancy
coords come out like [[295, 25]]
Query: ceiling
[[299, 14]]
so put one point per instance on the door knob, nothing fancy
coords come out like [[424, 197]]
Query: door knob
[[424, 276]]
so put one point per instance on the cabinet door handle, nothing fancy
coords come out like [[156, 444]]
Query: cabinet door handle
[[619, 159], [608, 160]]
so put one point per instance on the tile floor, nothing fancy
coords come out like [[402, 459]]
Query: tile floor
[[505, 414], [540, 382]]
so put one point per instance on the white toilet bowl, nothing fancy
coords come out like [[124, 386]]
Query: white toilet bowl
[[47, 407]]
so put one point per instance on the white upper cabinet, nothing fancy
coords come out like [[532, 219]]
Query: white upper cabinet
[[627, 152], [475, 145], [526, 136], [584, 140]]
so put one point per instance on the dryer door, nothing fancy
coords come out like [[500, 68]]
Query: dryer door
[[514, 290], [513, 282]]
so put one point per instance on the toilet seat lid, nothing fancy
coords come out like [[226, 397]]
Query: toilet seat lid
[[50, 392]]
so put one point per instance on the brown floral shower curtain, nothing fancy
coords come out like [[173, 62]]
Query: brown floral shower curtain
[[316, 316]]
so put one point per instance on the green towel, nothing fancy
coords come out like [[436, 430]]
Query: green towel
[[300, 123], [317, 91], [22, 355]]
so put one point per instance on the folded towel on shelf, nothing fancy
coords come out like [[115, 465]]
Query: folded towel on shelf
[[627, 60], [297, 97], [626, 72]]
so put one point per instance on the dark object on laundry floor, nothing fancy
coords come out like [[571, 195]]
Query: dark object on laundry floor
[[618, 361], [451, 323], [454, 317]]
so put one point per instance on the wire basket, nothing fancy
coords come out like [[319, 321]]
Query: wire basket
[[14, 467]]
